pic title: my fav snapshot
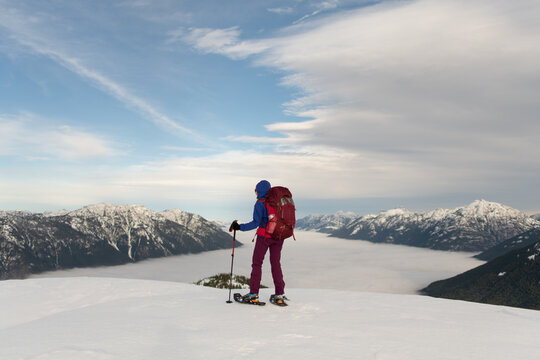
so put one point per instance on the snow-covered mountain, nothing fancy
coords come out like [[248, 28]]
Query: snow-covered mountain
[[99, 319], [512, 279], [475, 227], [326, 223], [102, 234], [536, 217], [223, 225]]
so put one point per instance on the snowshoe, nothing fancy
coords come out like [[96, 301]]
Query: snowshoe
[[278, 300], [252, 299]]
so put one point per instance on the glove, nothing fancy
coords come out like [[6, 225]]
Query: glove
[[234, 226]]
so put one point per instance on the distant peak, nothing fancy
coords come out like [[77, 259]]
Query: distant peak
[[393, 212], [480, 202], [484, 205], [105, 207]]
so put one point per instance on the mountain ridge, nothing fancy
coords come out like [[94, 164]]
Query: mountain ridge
[[474, 227], [100, 234]]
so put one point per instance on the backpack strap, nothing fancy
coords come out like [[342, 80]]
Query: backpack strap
[[265, 223]]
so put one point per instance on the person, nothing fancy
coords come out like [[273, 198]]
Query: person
[[263, 243]]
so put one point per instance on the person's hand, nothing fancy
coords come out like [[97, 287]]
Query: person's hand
[[234, 226]]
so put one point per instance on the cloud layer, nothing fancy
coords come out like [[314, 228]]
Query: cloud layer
[[421, 95], [399, 99]]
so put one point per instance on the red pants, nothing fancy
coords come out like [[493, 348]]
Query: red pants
[[261, 246]]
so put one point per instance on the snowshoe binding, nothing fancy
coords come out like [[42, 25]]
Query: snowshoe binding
[[278, 300], [252, 299]]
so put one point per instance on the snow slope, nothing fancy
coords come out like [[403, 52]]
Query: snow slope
[[103, 319]]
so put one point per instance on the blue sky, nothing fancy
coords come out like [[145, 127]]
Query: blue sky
[[354, 105]]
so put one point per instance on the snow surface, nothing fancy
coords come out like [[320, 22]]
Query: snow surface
[[339, 309], [315, 260], [105, 318]]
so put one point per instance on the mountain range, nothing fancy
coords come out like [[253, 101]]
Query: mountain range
[[102, 234], [509, 239], [475, 227], [326, 223]]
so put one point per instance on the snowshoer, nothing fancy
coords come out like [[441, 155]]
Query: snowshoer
[[263, 243]]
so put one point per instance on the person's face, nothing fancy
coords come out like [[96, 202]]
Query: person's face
[[256, 193]]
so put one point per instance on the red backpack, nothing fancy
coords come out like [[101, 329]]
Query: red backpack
[[281, 213]]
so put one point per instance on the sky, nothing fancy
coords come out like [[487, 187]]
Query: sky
[[354, 105]]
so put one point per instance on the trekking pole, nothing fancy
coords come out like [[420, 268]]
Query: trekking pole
[[232, 263]]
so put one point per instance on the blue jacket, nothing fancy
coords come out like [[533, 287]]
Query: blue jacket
[[260, 216]]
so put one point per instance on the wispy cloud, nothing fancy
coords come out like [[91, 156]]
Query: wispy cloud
[[26, 136], [119, 92], [281, 10], [219, 41], [319, 8], [28, 30]]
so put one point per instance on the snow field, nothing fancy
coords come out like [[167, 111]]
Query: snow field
[[341, 308], [97, 318]]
